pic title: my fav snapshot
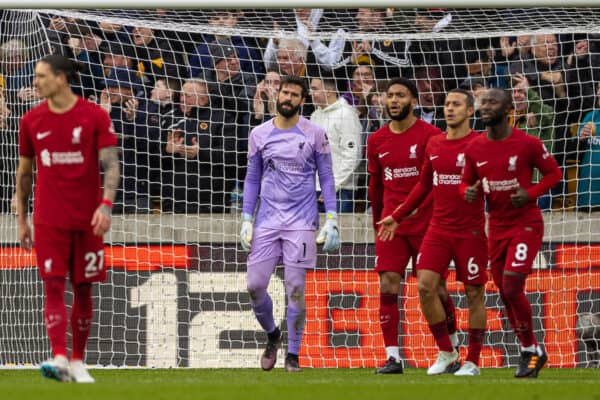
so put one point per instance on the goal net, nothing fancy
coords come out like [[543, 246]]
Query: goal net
[[185, 87]]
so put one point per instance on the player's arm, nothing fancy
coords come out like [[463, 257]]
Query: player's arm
[[251, 191], [419, 195], [551, 175], [469, 185], [109, 158], [329, 235], [24, 189], [375, 184]]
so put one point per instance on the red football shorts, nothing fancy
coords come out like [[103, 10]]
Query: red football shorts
[[80, 254], [469, 255], [393, 255], [515, 252]]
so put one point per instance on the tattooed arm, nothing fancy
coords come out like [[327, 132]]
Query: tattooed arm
[[110, 163], [24, 188]]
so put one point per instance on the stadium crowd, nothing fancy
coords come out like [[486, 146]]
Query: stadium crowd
[[183, 103]]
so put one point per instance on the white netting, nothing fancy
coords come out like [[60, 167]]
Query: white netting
[[176, 290]]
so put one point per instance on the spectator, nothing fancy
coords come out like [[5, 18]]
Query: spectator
[[317, 56], [150, 119], [233, 91], [116, 55], [343, 128], [4, 111], [389, 58], [119, 100], [247, 52], [477, 86], [264, 104], [17, 73], [535, 118], [155, 58], [431, 96], [194, 162], [588, 185], [363, 80]]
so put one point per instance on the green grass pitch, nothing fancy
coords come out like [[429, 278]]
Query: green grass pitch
[[330, 384]]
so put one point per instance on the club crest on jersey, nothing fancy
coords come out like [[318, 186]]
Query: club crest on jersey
[[387, 174], [512, 163], [435, 178], [76, 135], [460, 160], [413, 151]]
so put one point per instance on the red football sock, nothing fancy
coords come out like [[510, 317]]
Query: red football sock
[[389, 316], [475, 343], [55, 315], [513, 288], [81, 319], [441, 336], [450, 310]]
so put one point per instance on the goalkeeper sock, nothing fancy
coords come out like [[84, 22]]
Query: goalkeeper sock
[[81, 319], [55, 313], [264, 314], [389, 316]]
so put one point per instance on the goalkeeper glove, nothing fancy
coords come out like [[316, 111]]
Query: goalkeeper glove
[[246, 231], [329, 235]]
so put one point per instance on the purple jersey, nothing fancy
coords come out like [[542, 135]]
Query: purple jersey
[[281, 170]]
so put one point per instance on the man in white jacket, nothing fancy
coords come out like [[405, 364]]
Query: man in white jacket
[[340, 121]]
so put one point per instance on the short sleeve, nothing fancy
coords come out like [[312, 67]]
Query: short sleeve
[[105, 131], [25, 146]]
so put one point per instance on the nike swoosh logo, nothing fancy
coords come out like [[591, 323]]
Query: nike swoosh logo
[[481, 164], [472, 277], [514, 264], [431, 158], [42, 135], [381, 155]]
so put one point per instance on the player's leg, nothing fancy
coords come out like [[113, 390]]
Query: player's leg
[[88, 268], [392, 258], [262, 260], [295, 283], [471, 257], [521, 253], [432, 268], [450, 311], [477, 321], [53, 247], [299, 255]]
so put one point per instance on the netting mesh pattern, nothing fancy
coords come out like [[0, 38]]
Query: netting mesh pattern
[[184, 88]]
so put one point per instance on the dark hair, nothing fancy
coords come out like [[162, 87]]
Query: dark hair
[[60, 64], [407, 83], [470, 98], [295, 80]]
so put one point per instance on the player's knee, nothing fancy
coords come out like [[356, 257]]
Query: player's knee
[[296, 295], [474, 296], [256, 293], [427, 289]]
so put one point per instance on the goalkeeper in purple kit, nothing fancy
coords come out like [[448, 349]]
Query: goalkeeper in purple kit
[[283, 156]]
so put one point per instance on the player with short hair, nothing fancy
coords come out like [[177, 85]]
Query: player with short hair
[[284, 155], [67, 137], [501, 163], [395, 155], [456, 233]]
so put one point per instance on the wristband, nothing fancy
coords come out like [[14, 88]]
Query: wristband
[[106, 202]]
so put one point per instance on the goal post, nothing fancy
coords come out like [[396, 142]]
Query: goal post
[[175, 294]]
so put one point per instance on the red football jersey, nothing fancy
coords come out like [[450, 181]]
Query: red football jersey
[[502, 166], [441, 175], [394, 163], [65, 147]]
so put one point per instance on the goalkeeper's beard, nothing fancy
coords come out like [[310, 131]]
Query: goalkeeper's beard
[[401, 115], [287, 113]]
